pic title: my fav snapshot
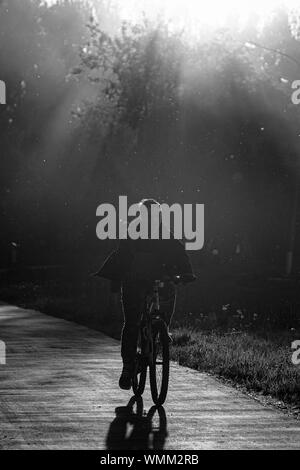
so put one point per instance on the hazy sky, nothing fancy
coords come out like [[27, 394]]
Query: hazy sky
[[212, 13]]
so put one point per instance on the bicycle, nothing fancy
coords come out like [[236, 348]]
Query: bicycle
[[153, 347]]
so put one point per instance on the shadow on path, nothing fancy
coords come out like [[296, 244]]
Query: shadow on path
[[134, 429]]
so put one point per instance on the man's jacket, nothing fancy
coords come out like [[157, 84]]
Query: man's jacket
[[145, 259]]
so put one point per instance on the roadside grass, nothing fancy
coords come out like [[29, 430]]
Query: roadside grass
[[259, 364]]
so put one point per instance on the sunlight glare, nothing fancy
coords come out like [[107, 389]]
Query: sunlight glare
[[209, 13]]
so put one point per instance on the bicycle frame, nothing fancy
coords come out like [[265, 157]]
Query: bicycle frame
[[153, 336], [152, 306], [155, 302]]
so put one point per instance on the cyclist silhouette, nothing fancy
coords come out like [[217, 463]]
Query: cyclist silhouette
[[132, 268]]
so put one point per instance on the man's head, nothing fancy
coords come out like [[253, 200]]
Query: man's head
[[149, 203], [154, 215]]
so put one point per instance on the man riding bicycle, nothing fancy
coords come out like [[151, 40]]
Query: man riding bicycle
[[132, 268]]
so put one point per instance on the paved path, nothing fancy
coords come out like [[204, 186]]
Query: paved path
[[59, 391]]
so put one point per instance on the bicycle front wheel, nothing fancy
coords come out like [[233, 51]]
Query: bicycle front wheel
[[160, 364]]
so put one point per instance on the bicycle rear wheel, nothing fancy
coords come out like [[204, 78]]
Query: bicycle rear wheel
[[140, 371], [160, 365]]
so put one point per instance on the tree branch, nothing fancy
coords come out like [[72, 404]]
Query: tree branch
[[276, 51]]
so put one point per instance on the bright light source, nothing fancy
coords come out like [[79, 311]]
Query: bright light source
[[211, 13]]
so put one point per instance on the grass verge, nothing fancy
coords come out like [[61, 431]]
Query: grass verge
[[260, 365]]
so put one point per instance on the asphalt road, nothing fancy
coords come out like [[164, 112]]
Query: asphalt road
[[59, 390]]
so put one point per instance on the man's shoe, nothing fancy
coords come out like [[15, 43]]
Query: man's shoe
[[126, 377]]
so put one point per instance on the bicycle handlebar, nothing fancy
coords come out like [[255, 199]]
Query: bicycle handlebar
[[177, 279]]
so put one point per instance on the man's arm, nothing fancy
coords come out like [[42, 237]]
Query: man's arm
[[182, 262], [117, 263]]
